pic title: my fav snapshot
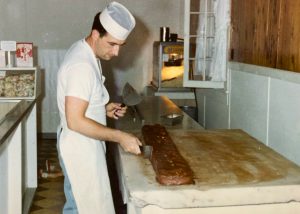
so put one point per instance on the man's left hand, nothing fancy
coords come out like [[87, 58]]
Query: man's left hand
[[115, 110]]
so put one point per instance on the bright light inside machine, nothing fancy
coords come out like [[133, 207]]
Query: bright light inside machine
[[174, 56], [171, 72]]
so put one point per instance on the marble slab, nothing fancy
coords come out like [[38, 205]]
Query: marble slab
[[231, 169]]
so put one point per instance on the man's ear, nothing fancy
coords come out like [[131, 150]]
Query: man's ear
[[95, 34]]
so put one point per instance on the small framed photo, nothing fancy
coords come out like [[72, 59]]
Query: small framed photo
[[24, 56]]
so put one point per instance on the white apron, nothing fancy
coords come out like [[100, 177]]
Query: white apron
[[85, 162]]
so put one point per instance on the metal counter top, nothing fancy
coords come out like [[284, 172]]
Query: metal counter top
[[151, 109]]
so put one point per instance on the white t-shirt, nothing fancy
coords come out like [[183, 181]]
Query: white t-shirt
[[80, 76]]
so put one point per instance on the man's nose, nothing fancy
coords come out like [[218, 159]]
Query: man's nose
[[116, 50]]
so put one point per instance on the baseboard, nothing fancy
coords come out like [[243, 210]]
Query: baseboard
[[47, 136]]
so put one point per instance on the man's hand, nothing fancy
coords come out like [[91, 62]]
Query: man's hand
[[115, 110], [130, 143]]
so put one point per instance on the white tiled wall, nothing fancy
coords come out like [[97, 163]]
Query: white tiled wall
[[284, 120], [212, 108], [249, 108]]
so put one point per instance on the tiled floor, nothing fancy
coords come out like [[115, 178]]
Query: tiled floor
[[49, 197]]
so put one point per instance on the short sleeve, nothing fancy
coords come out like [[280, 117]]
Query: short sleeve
[[80, 81]]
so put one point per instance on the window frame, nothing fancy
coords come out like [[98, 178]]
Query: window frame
[[187, 81]]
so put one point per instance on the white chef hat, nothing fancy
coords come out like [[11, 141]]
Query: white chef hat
[[117, 20]]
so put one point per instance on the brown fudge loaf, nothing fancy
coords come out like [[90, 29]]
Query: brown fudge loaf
[[170, 167]]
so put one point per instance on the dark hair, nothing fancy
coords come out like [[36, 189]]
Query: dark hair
[[98, 26]]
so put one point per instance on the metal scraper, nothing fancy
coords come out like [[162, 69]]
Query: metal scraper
[[146, 151], [130, 96]]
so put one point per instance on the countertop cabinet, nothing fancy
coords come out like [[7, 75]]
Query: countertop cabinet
[[18, 155]]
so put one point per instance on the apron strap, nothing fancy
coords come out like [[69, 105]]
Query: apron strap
[[58, 131]]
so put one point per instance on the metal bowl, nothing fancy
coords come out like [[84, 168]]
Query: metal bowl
[[172, 119]]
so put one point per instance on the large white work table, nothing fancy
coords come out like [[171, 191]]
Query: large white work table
[[18, 155], [233, 172]]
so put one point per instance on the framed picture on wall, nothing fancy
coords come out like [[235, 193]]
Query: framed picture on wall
[[24, 57]]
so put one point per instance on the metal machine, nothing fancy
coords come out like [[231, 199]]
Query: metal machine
[[168, 66]]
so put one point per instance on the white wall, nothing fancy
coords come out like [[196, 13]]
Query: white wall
[[53, 25], [212, 108], [262, 101], [249, 103]]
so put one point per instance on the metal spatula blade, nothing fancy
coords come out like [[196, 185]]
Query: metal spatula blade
[[146, 151], [130, 96]]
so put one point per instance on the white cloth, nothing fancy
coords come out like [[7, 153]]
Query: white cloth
[[84, 158]]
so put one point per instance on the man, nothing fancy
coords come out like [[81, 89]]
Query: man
[[83, 106]]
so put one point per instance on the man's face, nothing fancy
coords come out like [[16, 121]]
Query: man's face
[[107, 47]]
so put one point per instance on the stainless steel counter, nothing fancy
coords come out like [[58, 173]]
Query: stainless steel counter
[[234, 173], [151, 109]]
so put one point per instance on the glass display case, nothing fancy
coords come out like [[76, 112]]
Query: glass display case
[[19, 82]]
